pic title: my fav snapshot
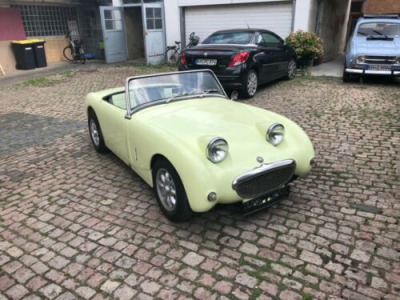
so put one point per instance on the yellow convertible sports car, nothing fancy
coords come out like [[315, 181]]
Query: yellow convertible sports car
[[194, 146]]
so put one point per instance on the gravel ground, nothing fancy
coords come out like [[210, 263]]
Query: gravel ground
[[76, 224]]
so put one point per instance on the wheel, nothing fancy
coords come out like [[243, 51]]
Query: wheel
[[95, 133], [68, 53], [170, 193], [82, 57], [250, 84], [292, 69], [172, 56]]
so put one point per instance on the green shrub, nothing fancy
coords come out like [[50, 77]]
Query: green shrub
[[307, 45]]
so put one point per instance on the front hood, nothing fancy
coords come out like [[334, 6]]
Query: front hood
[[209, 116], [377, 47], [194, 123]]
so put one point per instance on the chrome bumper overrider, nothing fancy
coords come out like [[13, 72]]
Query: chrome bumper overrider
[[264, 179], [372, 72]]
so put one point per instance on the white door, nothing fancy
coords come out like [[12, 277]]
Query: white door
[[204, 20], [154, 33], [113, 25]]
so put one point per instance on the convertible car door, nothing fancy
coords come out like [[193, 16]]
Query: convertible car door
[[111, 115], [276, 51]]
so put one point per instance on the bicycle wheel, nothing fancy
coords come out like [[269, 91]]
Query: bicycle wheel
[[172, 56], [82, 57], [68, 53]]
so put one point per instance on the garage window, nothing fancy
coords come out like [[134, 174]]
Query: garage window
[[40, 20]]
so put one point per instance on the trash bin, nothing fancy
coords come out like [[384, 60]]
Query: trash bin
[[24, 56], [39, 53]]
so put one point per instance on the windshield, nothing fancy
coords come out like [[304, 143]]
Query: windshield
[[379, 29], [229, 38], [173, 86]]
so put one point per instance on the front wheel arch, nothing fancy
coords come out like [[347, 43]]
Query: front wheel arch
[[182, 210]]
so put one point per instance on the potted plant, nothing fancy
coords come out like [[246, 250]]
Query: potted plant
[[307, 45]]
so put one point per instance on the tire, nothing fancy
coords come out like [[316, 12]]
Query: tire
[[82, 57], [68, 53], [250, 84], [292, 69], [95, 133], [172, 56], [170, 193]]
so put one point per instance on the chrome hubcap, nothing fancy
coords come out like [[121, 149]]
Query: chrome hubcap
[[252, 83], [94, 132], [166, 189], [292, 69]]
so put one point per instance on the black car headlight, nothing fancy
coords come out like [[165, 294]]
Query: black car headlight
[[360, 59], [275, 134], [217, 150]]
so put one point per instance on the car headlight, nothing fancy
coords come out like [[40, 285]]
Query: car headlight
[[217, 150], [398, 60], [360, 59], [275, 134]]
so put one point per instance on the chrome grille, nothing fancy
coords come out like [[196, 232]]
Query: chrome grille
[[384, 60], [264, 179]]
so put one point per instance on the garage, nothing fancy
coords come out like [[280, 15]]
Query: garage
[[204, 20]]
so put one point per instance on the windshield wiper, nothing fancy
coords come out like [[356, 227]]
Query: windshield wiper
[[380, 33], [209, 91], [176, 96], [362, 33]]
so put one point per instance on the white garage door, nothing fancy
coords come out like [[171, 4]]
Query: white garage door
[[204, 20]]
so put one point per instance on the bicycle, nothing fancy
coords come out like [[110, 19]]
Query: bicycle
[[173, 53], [74, 51]]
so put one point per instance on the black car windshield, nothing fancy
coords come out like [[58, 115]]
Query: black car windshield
[[238, 37], [163, 88], [382, 29]]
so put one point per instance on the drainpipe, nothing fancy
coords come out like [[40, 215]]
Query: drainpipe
[[293, 14]]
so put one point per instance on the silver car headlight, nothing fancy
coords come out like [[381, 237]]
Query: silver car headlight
[[217, 150], [360, 59], [275, 134], [398, 60]]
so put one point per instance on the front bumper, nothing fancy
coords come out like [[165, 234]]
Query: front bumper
[[373, 72]]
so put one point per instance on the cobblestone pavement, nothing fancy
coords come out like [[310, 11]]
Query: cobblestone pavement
[[76, 224]]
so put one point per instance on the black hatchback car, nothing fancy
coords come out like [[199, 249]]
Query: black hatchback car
[[242, 59]]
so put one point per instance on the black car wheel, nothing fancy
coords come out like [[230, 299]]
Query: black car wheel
[[292, 69], [250, 84], [95, 133], [170, 193]]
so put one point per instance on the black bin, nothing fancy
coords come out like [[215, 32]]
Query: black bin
[[39, 53], [24, 56]]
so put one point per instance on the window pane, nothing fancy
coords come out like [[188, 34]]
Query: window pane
[[107, 15], [118, 25], [150, 24], [157, 12], [158, 24], [109, 25], [149, 12]]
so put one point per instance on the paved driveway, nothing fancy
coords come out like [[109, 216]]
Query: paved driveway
[[76, 224]]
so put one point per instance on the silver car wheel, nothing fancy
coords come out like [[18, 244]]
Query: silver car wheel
[[292, 69], [252, 83], [94, 132], [166, 189]]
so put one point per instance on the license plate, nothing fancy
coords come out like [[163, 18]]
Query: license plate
[[206, 62], [251, 206], [380, 68]]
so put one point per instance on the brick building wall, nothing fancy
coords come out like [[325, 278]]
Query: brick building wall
[[381, 6]]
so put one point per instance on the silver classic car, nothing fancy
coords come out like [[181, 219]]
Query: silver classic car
[[374, 47]]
